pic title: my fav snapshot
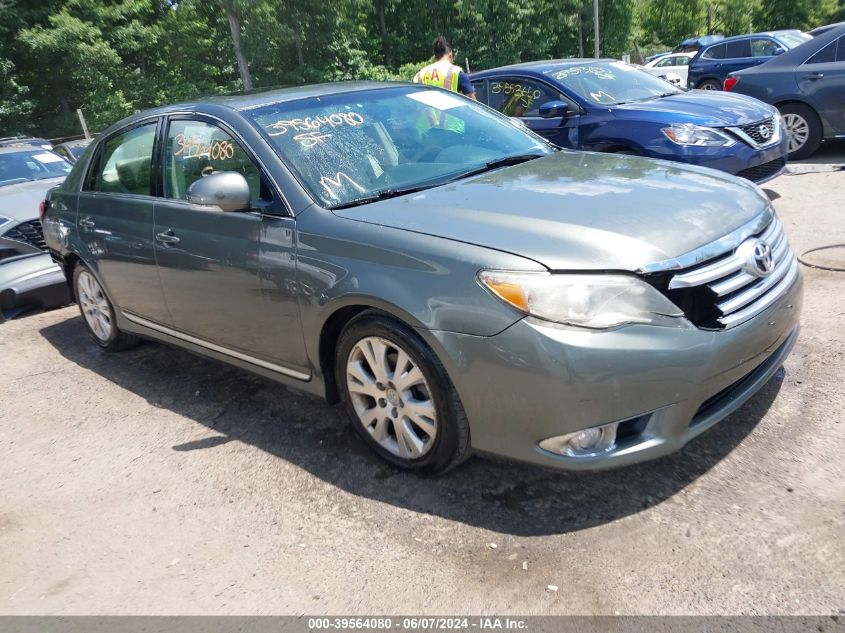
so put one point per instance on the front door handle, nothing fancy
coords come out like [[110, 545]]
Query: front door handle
[[813, 76], [87, 223], [167, 238]]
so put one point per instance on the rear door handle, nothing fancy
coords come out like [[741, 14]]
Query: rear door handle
[[167, 238], [87, 223]]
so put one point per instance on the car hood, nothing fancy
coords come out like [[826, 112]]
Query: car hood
[[579, 210], [20, 202], [704, 107]]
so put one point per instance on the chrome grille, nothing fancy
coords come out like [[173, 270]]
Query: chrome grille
[[752, 135], [29, 233], [737, 293]]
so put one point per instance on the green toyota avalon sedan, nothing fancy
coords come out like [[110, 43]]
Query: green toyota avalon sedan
[[448, 276]]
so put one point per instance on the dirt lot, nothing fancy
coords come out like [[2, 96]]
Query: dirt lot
[[157, 482]]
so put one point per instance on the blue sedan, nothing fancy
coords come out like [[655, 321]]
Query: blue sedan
[[610, 106]]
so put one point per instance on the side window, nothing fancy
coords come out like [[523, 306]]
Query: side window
[[195, 149], [764, 47], [123, 163], [669, 61], [825, 55], [521, 97], [480, 90], [715, 52], [840, 54], [736, 50], [684, 60]]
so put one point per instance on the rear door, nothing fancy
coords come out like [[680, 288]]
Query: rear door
[[229, 278], [822, 79], [737, 57], [115, 221]]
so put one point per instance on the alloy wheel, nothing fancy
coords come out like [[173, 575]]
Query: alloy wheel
[[95, 306], [391, 397], [797, 129]]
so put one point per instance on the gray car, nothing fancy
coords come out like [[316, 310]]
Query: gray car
[[28, 277], [452, 279]]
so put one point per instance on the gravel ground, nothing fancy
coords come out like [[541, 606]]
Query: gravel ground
[[156, 482]]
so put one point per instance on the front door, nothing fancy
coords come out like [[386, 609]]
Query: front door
[[521, 97], [115, 222], [213, 264]]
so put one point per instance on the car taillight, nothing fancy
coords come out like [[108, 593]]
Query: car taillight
[[42, 209], [730, 82]]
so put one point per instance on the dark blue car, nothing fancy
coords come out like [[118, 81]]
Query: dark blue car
[[710, 66], [609, 106]]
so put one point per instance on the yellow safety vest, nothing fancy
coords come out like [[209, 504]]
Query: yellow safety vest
[[441, 74]]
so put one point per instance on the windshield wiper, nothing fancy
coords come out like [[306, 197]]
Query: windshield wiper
[[382, 194], [506, 161], [649, 98]]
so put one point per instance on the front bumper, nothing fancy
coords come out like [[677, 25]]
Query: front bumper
[[739, 160], [534, 381]]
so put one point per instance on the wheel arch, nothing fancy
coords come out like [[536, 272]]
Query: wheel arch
[[334, 324], [715, 78]]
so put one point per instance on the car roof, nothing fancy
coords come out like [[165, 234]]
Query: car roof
[[825, 28], [546, 66], [736, 38], [76, 142], [256, 99], [800, 53], [242, 101]]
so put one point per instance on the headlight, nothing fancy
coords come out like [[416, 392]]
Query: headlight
[[691, 134], [588, 300]]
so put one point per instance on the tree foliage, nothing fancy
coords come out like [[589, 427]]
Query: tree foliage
[[113, 57]]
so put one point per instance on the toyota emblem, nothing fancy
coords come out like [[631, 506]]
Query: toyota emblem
[[763, 261], [757, 257], [765, 131]]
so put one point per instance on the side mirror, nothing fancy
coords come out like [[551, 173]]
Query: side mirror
[[553, 109], [227, 190], [778, 51]]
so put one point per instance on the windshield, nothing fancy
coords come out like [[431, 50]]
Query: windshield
[[31, 165], [793, 39], [612, 83], [359, 145]]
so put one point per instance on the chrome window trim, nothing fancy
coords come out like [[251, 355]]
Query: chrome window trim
[[713, 249], [216, 348]]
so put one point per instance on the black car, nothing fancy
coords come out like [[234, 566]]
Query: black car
[[807, 85]]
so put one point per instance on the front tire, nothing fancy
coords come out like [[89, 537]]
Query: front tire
[[98, 312], [802, 125], [398, 396]]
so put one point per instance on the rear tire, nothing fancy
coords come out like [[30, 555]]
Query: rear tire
[[98, 312], [802, 125], [710, 84], [398, 396]]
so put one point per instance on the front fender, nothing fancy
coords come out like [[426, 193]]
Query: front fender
[[427, 282]]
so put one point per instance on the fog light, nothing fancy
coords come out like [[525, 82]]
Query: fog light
[[593, 441]]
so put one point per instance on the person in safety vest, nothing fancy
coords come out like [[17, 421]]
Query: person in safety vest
[[443, 73]]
